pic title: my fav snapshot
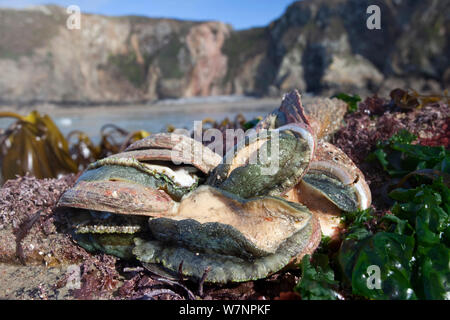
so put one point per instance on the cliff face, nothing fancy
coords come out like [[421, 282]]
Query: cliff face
[[108, 59], [328, 46], [317, 46]]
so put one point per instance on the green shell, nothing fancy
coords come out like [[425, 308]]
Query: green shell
[[204, 237], [222, 267], [165, 243], [224, 250], [344, 197], [249, 180], [132, 171]]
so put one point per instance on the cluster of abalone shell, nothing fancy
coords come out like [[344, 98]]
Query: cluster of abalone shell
[[169, 201]]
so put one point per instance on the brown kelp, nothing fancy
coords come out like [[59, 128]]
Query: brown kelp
[[34, 144]]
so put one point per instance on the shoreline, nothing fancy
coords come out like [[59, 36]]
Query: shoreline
[[149, 117], [249, 104]]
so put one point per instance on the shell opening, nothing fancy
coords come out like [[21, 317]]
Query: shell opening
[[179, 175], [342, 175]]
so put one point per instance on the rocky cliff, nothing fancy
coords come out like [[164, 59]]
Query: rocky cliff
[[317, 46]]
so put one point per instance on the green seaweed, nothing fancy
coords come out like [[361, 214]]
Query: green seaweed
[[317, 282], [352, 101], [398, 156], [413, 253]]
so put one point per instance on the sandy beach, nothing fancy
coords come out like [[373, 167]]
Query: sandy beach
[[152, 117]]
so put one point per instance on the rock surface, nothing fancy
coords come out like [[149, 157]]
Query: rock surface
[[315, 46]]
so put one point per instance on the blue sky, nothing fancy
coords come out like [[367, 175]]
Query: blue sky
[[241, 14]]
